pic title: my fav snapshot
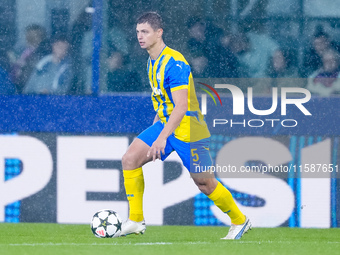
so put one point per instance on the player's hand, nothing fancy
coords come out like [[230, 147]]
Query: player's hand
[[157, 148]]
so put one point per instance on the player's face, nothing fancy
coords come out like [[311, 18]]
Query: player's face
[[147, 37]]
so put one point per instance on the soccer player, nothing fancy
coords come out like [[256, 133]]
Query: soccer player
[[178, 126]]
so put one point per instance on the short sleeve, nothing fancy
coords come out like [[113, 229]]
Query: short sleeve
[[177, 74]]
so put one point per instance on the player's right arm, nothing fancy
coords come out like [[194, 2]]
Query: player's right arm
[[180, 98]]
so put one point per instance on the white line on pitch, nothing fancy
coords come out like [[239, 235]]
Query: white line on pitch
[[99, 244], [83, 244]]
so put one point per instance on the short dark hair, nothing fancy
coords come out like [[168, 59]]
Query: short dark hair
[[320, 32], [60, 37], [34, 27], [153, 18]]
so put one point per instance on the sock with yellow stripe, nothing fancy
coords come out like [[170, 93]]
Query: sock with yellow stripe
[[134, 187], [224, 200]]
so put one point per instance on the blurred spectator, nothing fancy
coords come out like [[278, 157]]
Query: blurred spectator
[[119, 76], [199, 67], [117, 36], [197, 44], [210, 50], [281, 72], [321, 42], [224, 63], [53, 73], [82, 54], [325, 81], [255, 59], [6, 86], [239, 44], [281, 65], [36, 47], [81, 62], [117, 39]]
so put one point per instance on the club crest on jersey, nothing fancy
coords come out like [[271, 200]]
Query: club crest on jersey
[[158, 78], [157, 91]]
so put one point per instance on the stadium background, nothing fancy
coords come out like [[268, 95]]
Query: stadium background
[[51, 120]]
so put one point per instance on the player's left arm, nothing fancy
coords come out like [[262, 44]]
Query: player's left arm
[[180, 98]]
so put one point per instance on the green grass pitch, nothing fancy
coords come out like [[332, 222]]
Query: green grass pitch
[[46, 239]]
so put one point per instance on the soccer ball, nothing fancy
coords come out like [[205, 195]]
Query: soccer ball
[[106, 223]]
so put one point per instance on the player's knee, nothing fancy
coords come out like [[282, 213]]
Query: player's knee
[[204, 189], [206, 186], [202, 185], [129, 161]]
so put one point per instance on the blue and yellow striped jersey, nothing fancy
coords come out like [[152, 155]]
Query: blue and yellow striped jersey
[[168, 73]]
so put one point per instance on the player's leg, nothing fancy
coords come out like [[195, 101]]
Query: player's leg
[[132, 161], [198, 164], [223, 199], [219, 195]]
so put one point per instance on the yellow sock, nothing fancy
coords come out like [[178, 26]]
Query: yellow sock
[[134, 188], [224, 200]]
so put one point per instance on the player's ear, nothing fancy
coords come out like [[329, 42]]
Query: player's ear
[[159, 32]]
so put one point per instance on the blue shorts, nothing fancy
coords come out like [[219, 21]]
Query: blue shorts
[[195, 156]]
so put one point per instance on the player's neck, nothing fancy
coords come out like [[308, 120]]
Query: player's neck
[[156, 50]]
